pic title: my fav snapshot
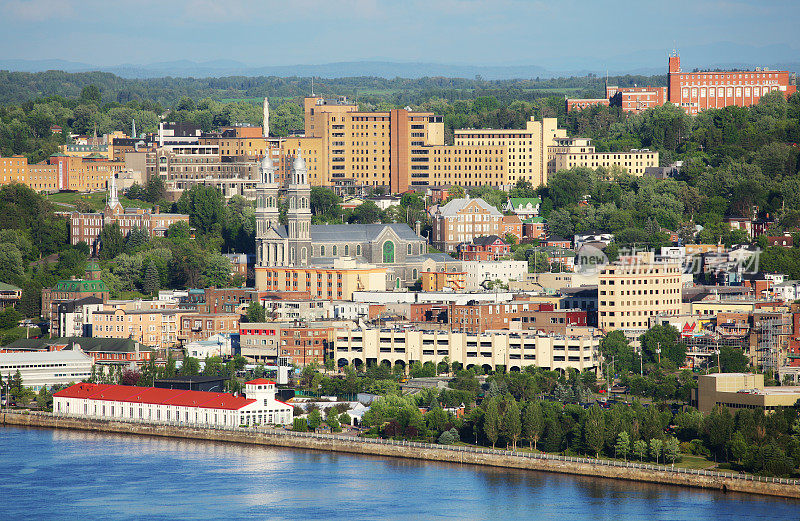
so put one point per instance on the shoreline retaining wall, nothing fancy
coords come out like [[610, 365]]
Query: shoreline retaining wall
[[423, 451]]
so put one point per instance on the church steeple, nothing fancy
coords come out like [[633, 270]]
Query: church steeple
[[267, 213], [298, 215], [113, 198]]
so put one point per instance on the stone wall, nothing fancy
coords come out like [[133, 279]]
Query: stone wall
[[422, 451]]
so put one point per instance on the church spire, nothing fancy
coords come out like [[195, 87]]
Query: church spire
[[113, 199]]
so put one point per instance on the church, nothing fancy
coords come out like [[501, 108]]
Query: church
[[298, 243]]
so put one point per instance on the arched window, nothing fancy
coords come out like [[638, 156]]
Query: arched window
[[346, 250], [335, 251], [322, 251], [303, 254], [388, 252], [414, 274], [292, 203], [358, 249], [408, 249]]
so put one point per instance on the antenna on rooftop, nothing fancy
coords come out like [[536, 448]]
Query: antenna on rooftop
[[312, 86]]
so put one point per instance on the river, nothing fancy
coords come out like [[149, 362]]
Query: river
[[59, 474]]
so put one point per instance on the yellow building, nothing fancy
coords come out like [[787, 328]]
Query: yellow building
[[524, 152], [440, 280], [157, 328], [741, 391], [60, 172], [568, 153], [635, 288], [713, 307], [371, 148], [331, 283], [13, 169]]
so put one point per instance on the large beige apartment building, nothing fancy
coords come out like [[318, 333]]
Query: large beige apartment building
[[156, 328], [635, 288], [572, 152], [500, 348]]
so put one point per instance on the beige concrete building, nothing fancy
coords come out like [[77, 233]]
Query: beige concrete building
[[568, 152], [503, 348], [741, 391], [635, 288], [371, 148]]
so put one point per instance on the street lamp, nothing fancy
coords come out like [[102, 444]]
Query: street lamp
[[658, 352]]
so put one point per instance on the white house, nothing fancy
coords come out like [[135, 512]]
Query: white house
[[150, 404]]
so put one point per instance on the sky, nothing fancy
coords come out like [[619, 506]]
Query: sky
[[474, 32]]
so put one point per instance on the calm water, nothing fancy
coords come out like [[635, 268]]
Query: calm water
[[48, 474]]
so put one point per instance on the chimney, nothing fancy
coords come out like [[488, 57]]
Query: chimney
[[418, 228]]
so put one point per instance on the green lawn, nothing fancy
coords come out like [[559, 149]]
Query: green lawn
[[96, 200]]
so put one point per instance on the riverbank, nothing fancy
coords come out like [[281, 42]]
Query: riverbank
[[423, 451]]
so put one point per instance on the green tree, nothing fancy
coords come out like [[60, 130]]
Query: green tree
[[671, 449], [314, 420], [91, 93], [112, 242], [152, 280], [332, 419], [640, 449], [656, 445], [594, 430], [190, 367], [738, 447], [623, 445], [491, 421], [512, 422], [532, 423], [11, 266], [255, 312], [366, 213], [300, 425], [345, 419]]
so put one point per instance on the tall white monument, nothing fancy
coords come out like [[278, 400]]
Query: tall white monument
[[266, 117]]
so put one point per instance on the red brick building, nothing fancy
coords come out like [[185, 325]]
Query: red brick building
[[636, 99], [305, 344], [580, 104], [511, 224], [486, 248], [477, 317], [200, 326], [697, 91]]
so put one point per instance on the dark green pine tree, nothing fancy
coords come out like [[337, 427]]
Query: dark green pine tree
[[152, 282]]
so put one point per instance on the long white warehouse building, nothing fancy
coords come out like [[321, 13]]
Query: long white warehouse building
[[151, 404]]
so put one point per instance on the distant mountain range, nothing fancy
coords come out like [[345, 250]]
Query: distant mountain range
[[723, 55]]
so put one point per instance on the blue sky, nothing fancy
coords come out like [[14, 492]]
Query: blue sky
[[502, 32]]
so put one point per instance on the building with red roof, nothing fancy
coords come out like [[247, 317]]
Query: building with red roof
[[155, 405]]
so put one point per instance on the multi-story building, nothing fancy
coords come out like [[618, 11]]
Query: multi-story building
[[578, 152], [534, 228], [585, 103], [635, 288], [741, 391], [47, 368], [697, 91], [636, 99], [485, 248], [74, 317], [260, 341], [60, 172], [156, 328], [104, 351], [479, 317], [443, 280], [480, 272], [524, 207], [512, 350], [372, 148], [463, 220], [200, 326], [333, 283], [67, 290], [183, 166], [86, 227], [306, 343]]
